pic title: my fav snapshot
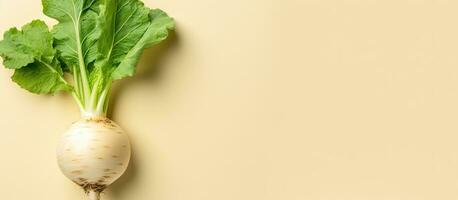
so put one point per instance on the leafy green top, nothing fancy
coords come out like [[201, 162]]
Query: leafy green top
[[95, 41]]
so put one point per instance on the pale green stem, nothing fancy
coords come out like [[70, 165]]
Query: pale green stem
[[101, 104], [94, 95], [78, 101], [82, 66], [75, 76], [107, 102], [77, 82]]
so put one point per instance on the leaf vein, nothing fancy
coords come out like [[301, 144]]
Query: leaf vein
[[125, 22], [117, 42]]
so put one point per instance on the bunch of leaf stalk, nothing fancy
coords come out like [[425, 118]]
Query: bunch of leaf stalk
[[94, 43]]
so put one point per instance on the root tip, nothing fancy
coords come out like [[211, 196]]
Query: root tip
[[93, 191]]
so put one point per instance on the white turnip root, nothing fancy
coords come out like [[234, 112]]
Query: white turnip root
[[93, 153]]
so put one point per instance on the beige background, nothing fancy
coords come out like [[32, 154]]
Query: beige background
[[265, 100]]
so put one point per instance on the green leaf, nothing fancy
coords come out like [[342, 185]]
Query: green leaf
[[30, 52], [122, 24], [20, 48], [75, 34], [157, 31], [41, 78], [127, 27], [132, 20], [106, 25]]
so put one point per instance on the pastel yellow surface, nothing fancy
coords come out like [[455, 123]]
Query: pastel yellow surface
[[265, 100]]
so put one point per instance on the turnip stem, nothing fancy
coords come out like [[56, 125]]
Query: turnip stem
[[103, 98], [93, 195], [82, 65], [78, 101]]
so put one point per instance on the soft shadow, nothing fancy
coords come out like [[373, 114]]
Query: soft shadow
[[122, 184], [149, 70]]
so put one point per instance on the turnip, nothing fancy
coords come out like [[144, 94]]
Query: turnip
[[95, 42], [93, 153]]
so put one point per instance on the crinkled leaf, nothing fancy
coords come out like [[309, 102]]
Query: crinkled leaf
[[122, 24], [30, 52], [75, 34], [40, 78], [20, 48], [127, 27], [128, 54], [132, 20]]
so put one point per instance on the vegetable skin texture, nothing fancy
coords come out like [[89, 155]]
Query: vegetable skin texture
[[93, 153]]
